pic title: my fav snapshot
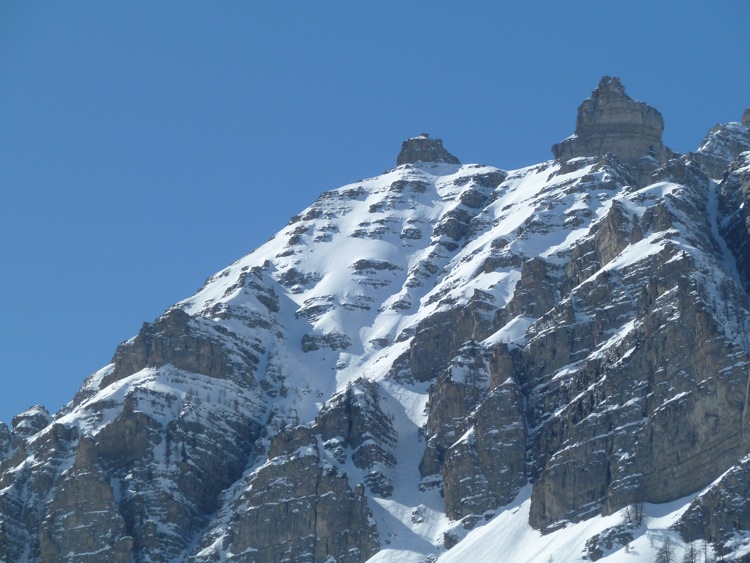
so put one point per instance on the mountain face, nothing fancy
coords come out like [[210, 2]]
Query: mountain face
[[442, 362]]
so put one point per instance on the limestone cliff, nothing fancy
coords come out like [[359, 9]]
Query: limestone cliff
[[610, 121]]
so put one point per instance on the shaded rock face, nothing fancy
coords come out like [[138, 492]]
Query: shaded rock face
[[138, 491], [734, 204], [194, 345], [746, 118], [301, 505], [4, 440], [678, 416], [424, 149], [610, 121], [476, 435], [83, 518], [723, 511]]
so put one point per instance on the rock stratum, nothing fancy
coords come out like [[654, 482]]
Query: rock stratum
[[423, 360]]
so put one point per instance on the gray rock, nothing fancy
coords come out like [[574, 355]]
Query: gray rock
[[476, 435], [424, 149], [608, 540], [302, 510], [83, 520], [196, 345], [610, 121], [721, 511], [5, 440], [645, 396], [722, 145], [299, 505], [734, 204], [30, 422]]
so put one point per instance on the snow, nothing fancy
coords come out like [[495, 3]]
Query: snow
[[509, 534], [514, 332]]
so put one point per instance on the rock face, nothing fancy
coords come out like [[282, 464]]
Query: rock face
[[734, 202], [610, 121], [301, 505], [722, 145], [476, 435], [424, 149], [421, 353]]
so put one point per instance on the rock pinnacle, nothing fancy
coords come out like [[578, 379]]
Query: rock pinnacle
[[610, 121], [424, 149]]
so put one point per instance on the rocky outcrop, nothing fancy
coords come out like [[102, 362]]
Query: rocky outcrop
[[722, 511], [476, 435], [734, 208], [424, 149], [30, 422], [177, 339], [610, 121], [301, 505], [722, 145], [4, 440], [746, 118], [300, 508], [83, 521], [640, 393]]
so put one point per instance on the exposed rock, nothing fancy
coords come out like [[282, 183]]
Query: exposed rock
[[642, 396], [609, 540], [610, 121], [179, 463], [440, 337], [722, 511], [476, 433], [299, 506], [5, 440], [302, 510], [83, 521], [424, 149], [332, 340], [30, 422], [722, 145], [734, 205], [23, 492], [746, 118], [193, 344]]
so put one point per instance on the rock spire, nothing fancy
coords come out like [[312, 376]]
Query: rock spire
[[610, 121], [424, 149]]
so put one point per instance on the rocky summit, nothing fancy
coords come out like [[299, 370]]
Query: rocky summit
[[424, 149], [445, 362], [610, 121]]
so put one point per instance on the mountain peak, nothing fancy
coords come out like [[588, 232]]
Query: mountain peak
[[424, 149], [610, 121], [746, 118], [610, 85]]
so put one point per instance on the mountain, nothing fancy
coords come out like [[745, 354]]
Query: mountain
[[445, 362]]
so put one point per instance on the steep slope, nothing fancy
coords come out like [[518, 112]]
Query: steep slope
[[423, 352]]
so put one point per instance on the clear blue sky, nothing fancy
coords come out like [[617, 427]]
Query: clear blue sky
[[146, 145]]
